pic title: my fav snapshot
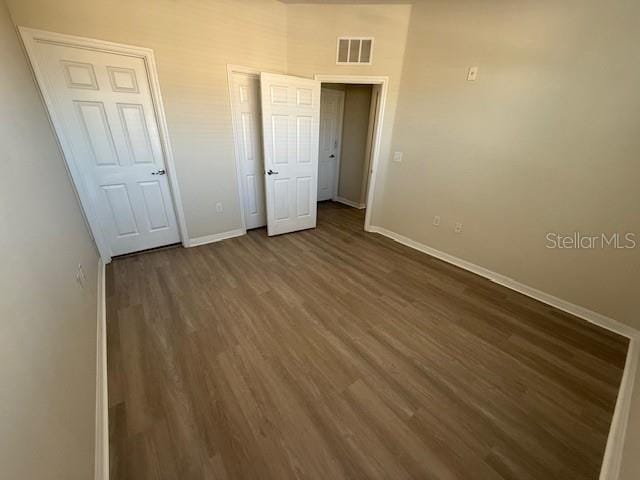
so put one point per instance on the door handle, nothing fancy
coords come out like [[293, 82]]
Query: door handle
[[332, 156], [271, 172], [159, 172]]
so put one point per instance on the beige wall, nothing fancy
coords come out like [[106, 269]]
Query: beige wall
[[544, 141], [311, 49], [47, 322], [355, 126], [193, 41]]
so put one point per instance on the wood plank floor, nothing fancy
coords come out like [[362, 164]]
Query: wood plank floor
[[334, 353]]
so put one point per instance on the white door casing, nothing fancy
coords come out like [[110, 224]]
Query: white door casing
[[373, 119], [104, 102], [291, 119], [382, 84], [331, 113], [245, 98]]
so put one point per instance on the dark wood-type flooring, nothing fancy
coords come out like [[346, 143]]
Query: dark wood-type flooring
[[334, 353]]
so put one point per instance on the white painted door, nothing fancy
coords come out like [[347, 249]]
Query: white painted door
[[290, 119], [102, 103], [245, 91], [331, 108]]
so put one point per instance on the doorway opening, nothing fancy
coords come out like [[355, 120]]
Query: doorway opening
[[278, 127], [347, 126], [358, 146]]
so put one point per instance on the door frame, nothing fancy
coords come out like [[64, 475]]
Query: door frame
[[336, 177], [383, 81], [30, 38]]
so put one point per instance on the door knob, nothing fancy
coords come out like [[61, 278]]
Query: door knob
[[159, 172], [271, 172], [332, 156]]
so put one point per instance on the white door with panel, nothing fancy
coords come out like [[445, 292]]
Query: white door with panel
[[103, 105], [290, 119], [245, 91], [331, 111]]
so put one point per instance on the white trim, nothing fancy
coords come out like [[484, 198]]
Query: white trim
[[617, 432], [102, 397], [216, 237], [350, 203], [30, 37], [336, 177], [578, 311], [383, 81], [366, 172]]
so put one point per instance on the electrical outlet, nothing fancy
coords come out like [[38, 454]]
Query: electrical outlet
[[436, 221], [397, 157], [80, 277], [458, 228], [219, 207]]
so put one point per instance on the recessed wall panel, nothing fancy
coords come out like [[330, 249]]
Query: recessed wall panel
[[252, 194], [123, 79], [155, 206], [278, 95], [135, 129], [243, 93], [79, 75], [119, 204], [97, 132], [303, 196], [303, 139], [304, 96], [246, 122], [281, 198], [280, 132]]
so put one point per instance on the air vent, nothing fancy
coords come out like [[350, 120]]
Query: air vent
[[354, 51]]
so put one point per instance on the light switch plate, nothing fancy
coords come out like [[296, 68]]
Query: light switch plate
[[397, 157], [473, 74]]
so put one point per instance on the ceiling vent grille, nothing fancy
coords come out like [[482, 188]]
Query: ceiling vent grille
[[354, 51]]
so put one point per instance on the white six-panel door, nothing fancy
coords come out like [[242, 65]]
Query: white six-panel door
[[104, 105], [331, 108], [290, 118], [245, 91]]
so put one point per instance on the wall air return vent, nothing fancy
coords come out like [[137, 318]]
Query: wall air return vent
[[354, 51]]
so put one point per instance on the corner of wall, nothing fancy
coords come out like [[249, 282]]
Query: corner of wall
[[102, 402]]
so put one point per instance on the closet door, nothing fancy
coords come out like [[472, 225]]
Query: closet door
[[248, 137], [291, 123]]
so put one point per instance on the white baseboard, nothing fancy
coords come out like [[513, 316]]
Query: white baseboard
[[102, 402], [350, 203], [615, 441], [216, 237], [582, 312], [612, 460]]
